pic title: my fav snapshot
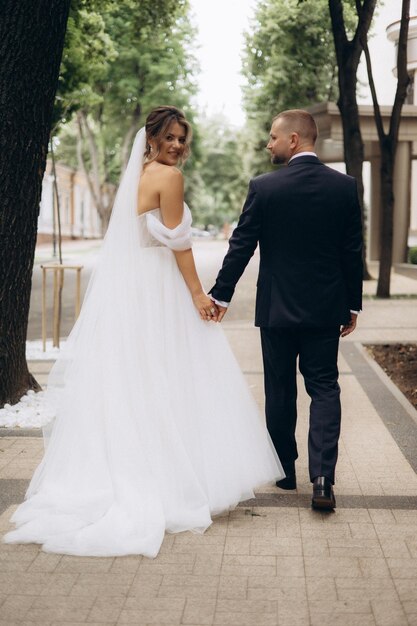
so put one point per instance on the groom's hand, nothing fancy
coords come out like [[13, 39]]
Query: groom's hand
[[348, 328], [222, 312]]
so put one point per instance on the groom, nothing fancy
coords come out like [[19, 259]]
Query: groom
[[307, 220]]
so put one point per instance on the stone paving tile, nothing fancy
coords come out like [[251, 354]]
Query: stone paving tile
[[354, 547], [50, 608], [232, 587], [102, 585], [16, 607], [362, 531], [18, 583], [25, 623], [152, 611], [44, 562], [339, 531], [325, 566], [242, 565], [286, 546], [147, 584], [339, 607], [208, 564], [367, 584], [354, 619], [84, 564], [201, 611], [284, 595], [60, 584], [244, 619], [315, 547], [202, 544], [397, 548], [105, 610], [389, 612], [403, 568], [374, 567], [237, 545], [14, 561], [125, 564]]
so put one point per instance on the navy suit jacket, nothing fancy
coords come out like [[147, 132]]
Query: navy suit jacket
[[307, 221]]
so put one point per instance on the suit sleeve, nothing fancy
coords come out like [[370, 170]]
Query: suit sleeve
[[352, 264], [242, 245]]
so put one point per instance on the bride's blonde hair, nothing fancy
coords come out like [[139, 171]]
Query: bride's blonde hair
[[157, 124]]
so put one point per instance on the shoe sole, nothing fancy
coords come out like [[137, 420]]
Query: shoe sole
[[322, 503]]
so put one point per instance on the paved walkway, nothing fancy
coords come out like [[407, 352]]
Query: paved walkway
[[272, 561]]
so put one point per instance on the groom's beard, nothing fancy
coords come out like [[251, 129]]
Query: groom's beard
[[278, 159]]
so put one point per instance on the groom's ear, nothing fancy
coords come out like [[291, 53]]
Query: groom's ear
[[294, 140]]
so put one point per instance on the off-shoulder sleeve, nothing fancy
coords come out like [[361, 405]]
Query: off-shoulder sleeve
[[178, 238]]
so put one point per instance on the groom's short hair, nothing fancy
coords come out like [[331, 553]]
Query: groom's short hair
[[300, 122]]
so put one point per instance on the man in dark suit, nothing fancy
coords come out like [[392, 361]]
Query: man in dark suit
[[307, 220]]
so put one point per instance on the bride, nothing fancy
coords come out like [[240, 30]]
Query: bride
[[155, 429]]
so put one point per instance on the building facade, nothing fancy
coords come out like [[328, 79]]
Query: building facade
[[79, 217]]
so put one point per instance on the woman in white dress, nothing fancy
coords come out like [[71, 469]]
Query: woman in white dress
[[155, 429]]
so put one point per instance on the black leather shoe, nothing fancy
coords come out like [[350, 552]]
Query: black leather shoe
[[323, 496], [289, 482]]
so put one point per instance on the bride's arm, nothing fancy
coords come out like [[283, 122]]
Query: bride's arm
[[172, 209]]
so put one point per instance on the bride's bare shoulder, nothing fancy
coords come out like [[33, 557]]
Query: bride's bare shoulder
[[160, 169], [161, 176]]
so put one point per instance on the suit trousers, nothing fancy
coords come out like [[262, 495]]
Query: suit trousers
[[317, 350]]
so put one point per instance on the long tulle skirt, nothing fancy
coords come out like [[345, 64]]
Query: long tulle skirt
[[155, 429]]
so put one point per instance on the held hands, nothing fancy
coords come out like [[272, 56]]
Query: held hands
[[349, 328], [222, 312], [209, 311]]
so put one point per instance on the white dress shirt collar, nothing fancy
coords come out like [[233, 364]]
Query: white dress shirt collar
[[294, 156]]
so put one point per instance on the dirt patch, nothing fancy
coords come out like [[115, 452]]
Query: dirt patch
[[399, 361]]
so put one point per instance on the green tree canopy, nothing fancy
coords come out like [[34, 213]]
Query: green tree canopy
[[289, 62], [220, 183], [121, 60]]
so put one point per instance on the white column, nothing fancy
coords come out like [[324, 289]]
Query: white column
[[374, 221], [402, 178]]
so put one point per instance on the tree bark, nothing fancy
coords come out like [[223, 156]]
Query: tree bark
[[388, 146], [99, 189], [348, 54], [31, 43]]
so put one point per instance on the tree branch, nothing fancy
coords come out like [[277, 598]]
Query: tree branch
[[338, 25], [365, 15], [83, 166], [377, 109], [403, 78], [93, 152]]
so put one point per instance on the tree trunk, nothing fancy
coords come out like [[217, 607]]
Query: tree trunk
[[31, 43], [388, 146], [354, 153], [387, 218], [348, 53]]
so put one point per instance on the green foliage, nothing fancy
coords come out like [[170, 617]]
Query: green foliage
[[289, 62], [412, 255], [120, 60], [88, 53], [219, 185]]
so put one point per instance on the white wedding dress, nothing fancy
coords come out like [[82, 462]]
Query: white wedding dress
[[155, 429]]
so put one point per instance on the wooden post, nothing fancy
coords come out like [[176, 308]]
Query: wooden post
[[58, 283], [43, 308], [55, 331], [78, 294]]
